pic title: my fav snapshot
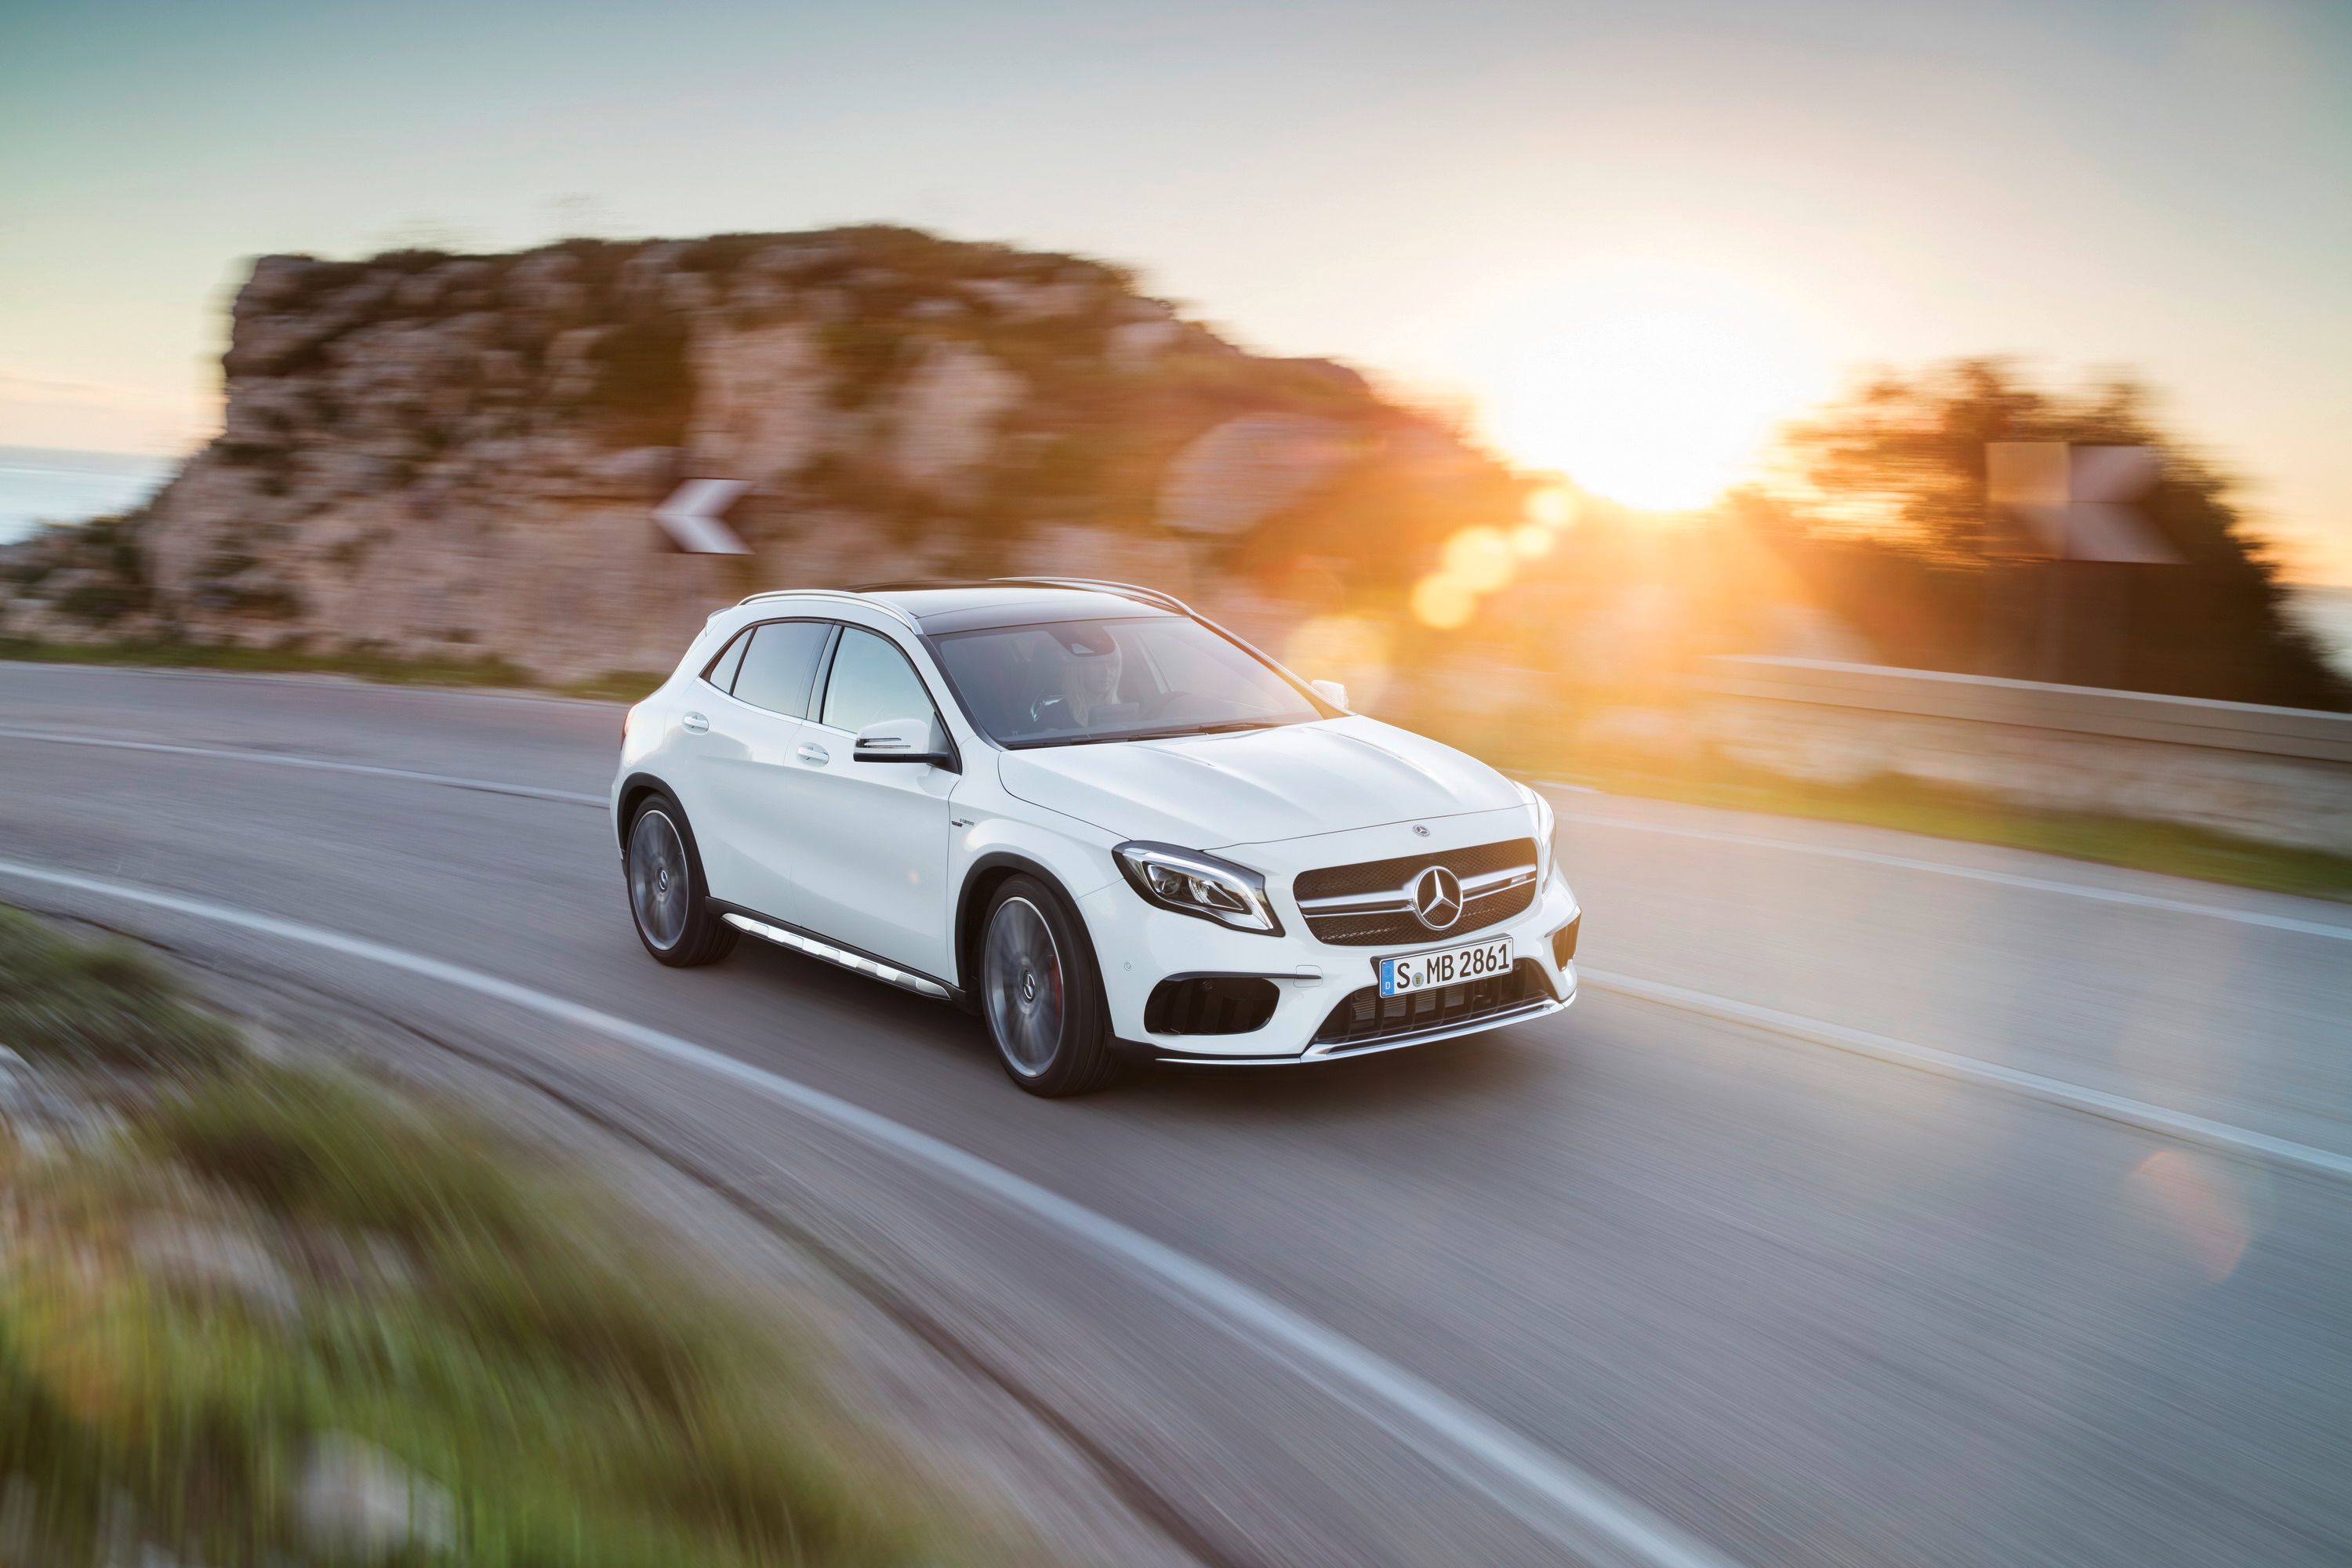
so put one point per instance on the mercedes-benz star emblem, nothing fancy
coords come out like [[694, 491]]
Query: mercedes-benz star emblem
[[1437, 898], [1418, 829]]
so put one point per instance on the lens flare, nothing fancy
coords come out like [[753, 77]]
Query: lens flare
[[2199, 1201], [1443, 602], [1480, 559], [1552, 506]]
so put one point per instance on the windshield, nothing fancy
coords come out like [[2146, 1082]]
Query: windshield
[[1069, 682]]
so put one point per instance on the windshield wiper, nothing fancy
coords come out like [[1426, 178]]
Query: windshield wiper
[[1225, 726]]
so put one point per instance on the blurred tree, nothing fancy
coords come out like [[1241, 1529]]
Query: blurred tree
[[1882, 513]]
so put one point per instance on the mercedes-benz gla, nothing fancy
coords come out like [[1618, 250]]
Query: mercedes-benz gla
[[1105, 824]]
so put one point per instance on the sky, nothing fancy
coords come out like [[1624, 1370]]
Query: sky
[[1626, 240]]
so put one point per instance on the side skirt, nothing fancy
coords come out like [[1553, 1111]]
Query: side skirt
[[832, 953]]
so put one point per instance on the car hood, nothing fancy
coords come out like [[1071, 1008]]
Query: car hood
[[1257, 786]]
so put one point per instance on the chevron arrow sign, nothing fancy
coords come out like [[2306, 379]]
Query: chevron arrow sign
[[2055, 500], [690, 517]]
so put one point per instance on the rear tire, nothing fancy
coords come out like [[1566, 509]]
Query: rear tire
[[669, 902], [1040, 995]]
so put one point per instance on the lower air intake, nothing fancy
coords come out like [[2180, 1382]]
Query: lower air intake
[[1209, 1004]]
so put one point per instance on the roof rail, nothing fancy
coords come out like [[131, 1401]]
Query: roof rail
[[856, 598], [1100, 584]]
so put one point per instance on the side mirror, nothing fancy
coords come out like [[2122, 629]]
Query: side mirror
[[1331, 691], [903, 740]]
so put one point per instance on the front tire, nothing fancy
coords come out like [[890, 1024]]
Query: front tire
[[1040, 995], [668, 899]]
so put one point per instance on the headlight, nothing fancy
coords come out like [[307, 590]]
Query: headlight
[[1544, 823], [1191, 883]]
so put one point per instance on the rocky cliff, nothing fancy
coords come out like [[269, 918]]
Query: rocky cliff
[[435, 455]]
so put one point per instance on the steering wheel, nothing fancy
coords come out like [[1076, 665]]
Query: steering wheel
[[1152, 707]]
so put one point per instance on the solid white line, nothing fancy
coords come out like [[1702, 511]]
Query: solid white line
[[1973, 874], [1575, 1511], [2217, 1135], [320, 764]]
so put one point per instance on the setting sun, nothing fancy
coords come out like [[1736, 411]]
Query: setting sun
[[1657, 391]]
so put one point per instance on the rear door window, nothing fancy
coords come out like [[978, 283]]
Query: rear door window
[[780, 666]]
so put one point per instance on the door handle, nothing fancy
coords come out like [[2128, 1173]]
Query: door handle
[[695, 723], [810, 752]]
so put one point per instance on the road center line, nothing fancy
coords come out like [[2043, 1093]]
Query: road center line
[[318, 764], [1579, 1514], [2217, 1135], [1975, 873]]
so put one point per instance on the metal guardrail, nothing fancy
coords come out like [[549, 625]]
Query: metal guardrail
[[2026, 704]]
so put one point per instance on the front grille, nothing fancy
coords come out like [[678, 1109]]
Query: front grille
[[1366, 1017], [1370, 880]]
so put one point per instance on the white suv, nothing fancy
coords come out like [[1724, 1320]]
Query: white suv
[[1107, 826]]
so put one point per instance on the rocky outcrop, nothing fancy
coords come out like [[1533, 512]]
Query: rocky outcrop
[[435, 455]]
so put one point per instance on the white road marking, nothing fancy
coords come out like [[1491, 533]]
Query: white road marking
[[1757, 841], [1575, 1511], [319, 764], [313, 679], [2217, 1135], [1974, 874]]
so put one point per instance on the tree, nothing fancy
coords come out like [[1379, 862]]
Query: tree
[[1883, 510]]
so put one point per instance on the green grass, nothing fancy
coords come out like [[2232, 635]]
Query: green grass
[[613, 686], [475, 1311], [198, 656], [2173, 848]]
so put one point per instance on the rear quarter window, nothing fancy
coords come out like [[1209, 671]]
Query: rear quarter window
[[720, 672]]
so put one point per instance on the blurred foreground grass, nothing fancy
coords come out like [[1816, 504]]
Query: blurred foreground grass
[[252, 1312]]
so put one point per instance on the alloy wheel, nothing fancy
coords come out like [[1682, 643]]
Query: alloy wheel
[[659, 880], [1022, 986]]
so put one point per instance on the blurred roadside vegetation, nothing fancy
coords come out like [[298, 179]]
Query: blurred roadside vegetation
[[253, 1312], [1871, 542], [1882, 516], [619, 685], [1909, 805]]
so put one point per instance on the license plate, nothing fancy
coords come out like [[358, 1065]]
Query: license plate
[[1448, 966]]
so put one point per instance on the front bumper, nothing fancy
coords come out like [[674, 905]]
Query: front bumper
[[1140, 945]]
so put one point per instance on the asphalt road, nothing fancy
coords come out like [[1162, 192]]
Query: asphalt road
[[1640, 1283]]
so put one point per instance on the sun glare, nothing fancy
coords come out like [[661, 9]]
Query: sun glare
[[1655, 391]]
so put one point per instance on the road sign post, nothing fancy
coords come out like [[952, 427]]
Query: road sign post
[[2066, 505]]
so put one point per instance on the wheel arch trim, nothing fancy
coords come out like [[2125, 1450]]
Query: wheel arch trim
[[633, 789], [981, 879]]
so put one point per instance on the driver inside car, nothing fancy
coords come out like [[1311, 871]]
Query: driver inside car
[[1088, 673]]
